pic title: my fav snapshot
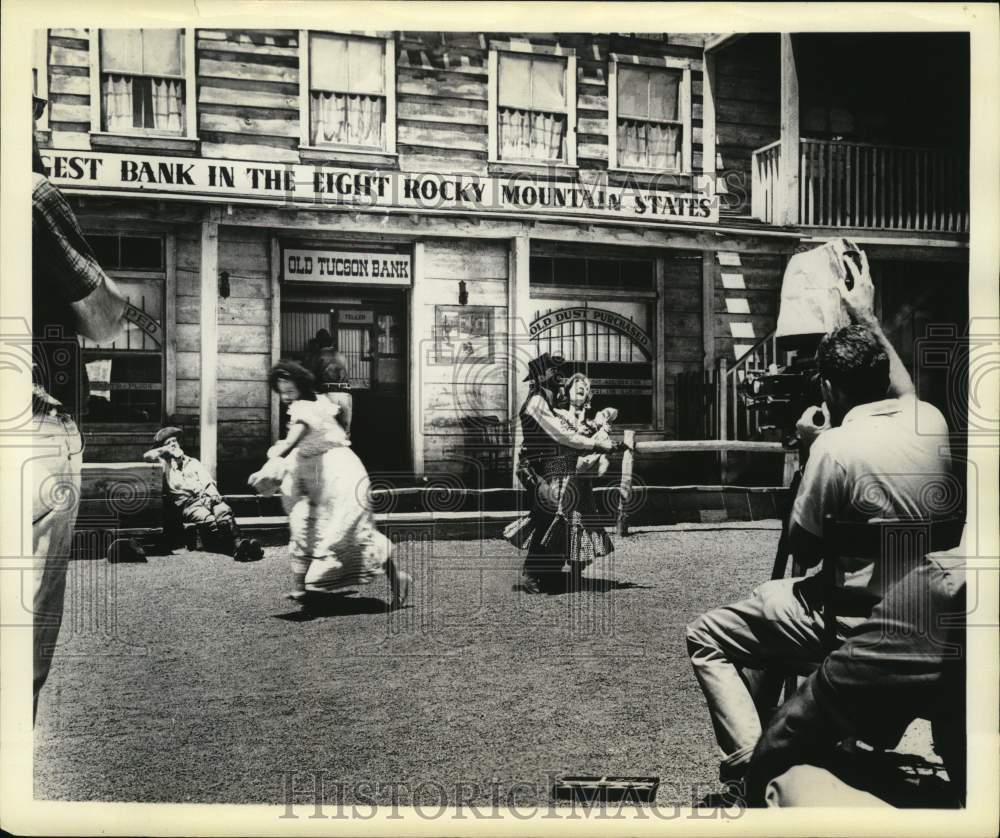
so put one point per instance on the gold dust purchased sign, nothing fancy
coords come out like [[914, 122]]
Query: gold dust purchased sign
[[316, 186], [343, 266], [609, 320]]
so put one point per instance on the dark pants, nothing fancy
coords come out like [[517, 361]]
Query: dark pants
[[545, 561], [215, 522]]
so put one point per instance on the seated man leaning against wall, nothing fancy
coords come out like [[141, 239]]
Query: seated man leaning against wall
[[882, 449], [194, 494]]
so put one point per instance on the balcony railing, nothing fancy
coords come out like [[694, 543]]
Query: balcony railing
[[858, 185]]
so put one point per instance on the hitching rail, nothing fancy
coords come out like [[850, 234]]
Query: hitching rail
[[677, 446]]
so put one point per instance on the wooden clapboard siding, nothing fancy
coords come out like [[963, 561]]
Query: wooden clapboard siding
[[241, 284], [682, 315], [231, 338], [761, 273], [434, 161], [248, 95], [461, 259], [187, 336], [69, 88], [233, 366], [746, 107], [441, 103], [682, 326], [467, 112], [248, 105], [448, 395], [244, 352], [251, 394]]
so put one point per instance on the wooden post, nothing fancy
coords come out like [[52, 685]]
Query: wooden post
[[209, 348], [723, 387], [708, 308], [660, 350], [788, 166], [518, 341], [170, 329], [419, 333], [275, 331], [708, 124], [790, 466], [625, 491]]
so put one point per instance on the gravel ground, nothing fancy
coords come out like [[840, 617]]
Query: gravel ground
[[190, 678]]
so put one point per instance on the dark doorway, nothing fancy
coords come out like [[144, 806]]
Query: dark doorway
[[369, 329]]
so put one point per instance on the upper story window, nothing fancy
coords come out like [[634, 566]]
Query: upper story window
[[145, 81], [533, 106], [348, 85], [650, 114]]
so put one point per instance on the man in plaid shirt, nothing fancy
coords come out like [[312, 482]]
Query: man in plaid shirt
[[71, 295]]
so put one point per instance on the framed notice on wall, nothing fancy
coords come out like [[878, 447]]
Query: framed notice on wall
[[463, 335]]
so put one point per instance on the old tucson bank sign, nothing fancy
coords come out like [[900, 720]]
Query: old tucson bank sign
[[326, 186]]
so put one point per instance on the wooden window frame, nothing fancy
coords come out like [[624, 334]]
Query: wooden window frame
[[493, 97], [40, 63], [190, 91], [684, 108], [390, 93], [653, 298], [168, 276]]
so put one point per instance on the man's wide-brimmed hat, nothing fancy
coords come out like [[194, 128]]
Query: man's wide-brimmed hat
[[167, 433], [542, 364]]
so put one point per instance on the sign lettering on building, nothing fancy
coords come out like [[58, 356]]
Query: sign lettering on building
[[609, 319], [307, 265], [316, 186], [356, 318]]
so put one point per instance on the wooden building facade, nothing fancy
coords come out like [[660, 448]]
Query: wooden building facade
[[447, 205]]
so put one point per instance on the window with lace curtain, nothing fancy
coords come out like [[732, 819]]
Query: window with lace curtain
[[350, 82], [144, 81], [650, 121], [534, 113]]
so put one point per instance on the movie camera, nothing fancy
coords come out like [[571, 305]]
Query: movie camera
[[779, 394]]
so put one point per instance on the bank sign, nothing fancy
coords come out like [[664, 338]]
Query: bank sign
[[346, 267], [315, 186]]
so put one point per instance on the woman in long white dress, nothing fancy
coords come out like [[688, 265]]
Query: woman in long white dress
[[325, 491]]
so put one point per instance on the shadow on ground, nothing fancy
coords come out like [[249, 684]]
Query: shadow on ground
[[318, 605], [185, 680]]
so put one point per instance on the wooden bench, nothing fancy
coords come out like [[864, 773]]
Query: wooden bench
[[128, 495]]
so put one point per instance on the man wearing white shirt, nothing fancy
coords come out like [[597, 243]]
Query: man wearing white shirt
[[870, 459]]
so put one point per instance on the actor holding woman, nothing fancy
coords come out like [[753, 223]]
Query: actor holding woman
[[559, 531]]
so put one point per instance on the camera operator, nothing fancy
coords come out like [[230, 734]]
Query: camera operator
[[869, 459], [906, 662]]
